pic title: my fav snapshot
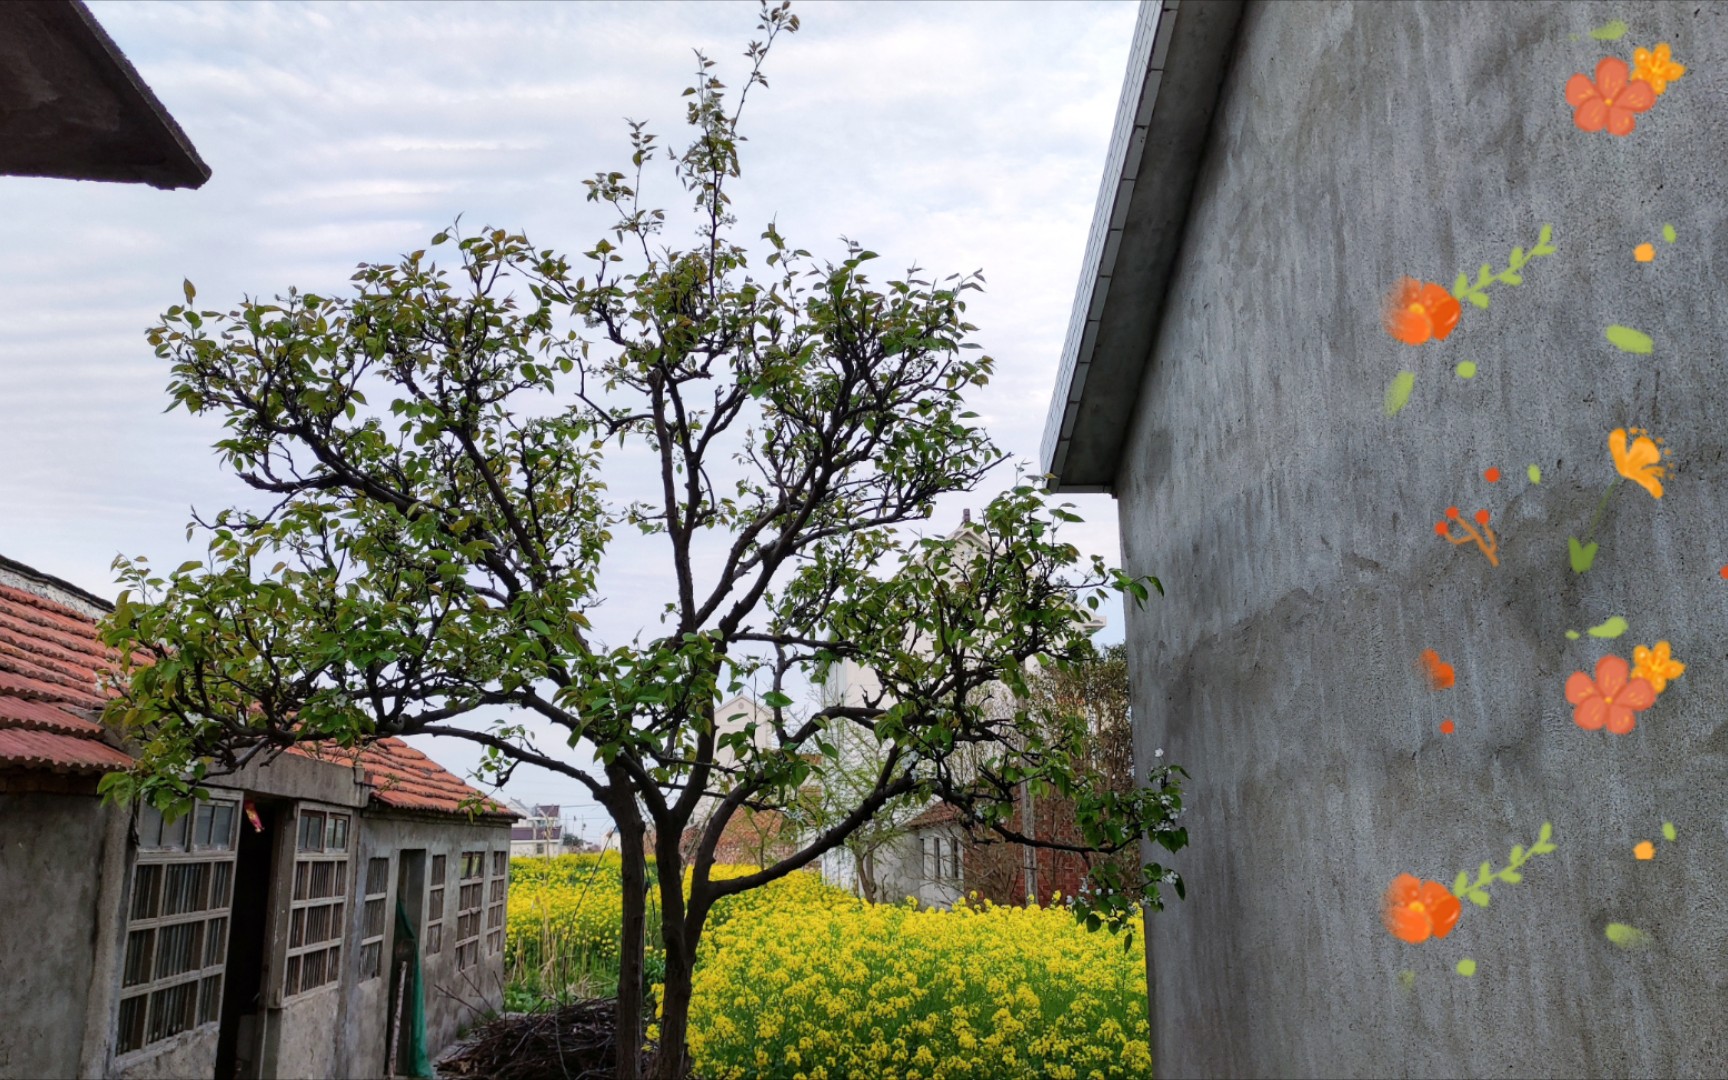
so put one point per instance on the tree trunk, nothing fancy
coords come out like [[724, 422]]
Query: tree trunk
[[633, 930], [679, 932]]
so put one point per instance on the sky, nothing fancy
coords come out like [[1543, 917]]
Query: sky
[[951, 136]]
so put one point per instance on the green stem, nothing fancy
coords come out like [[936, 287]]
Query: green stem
[[1600, 507]]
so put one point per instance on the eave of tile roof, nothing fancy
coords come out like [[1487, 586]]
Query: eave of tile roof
[[940, 814], [402, 778], [50, 660]]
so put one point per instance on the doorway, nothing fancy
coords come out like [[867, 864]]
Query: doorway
[[405, 1018], [238, 1043]]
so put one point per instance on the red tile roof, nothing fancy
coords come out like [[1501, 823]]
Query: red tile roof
[[938, 814], [405, 779], [49, 662], [51, 658]]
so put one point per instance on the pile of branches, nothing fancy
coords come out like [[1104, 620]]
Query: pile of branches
[[568, 1042]]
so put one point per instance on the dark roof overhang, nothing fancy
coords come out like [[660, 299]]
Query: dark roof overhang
[[1176, 66], [72, 106]]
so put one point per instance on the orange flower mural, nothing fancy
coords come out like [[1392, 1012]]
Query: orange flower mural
[[1656, 666], [1612, 699], [1416, 910], [1611, 100], [1656, 68], [1419, 312], [1439, 672], [1638, 461]]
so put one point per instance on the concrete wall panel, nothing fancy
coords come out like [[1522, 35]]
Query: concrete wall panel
[[1292, 523]]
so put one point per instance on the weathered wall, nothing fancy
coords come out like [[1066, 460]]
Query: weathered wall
[[454, 1000], [1292, 524], [50, 848]]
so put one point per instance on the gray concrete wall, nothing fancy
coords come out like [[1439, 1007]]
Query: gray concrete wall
[[50, 849], [454, 1000], [1292, 524]]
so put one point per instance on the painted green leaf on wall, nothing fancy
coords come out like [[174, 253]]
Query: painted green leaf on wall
[[1398, 392], [1629, 340]]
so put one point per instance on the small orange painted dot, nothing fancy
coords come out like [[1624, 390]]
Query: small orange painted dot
[[1491, 475], [1644, 253], [1481, 517], [1442, 528], [1447, 727], [1725, 572], [1452, 512], [1645, 850]]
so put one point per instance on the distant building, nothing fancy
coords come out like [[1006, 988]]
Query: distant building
[[538, 832], [289, 927]]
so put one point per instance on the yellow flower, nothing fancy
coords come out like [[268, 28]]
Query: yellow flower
[[1640, 462], [1656, 68], [1656, 666]]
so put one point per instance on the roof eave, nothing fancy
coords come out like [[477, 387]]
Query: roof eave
[[1176, 67], [79, 110]]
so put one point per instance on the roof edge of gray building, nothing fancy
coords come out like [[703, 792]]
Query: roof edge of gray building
[[1176, 67]]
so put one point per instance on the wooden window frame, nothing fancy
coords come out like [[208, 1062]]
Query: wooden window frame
[[435, 904], [158, 861], [372, 937], [470, 906], [497, 891], [334, 847]]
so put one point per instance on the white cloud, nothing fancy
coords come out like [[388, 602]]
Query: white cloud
[[957, 135]]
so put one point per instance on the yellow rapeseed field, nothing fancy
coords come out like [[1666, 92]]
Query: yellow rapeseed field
[[801, 980]]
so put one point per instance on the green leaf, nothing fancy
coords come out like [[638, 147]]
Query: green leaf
[[1583, 555], [774, 699], [1546, 833], [1627, 937], [1485, 871], [1629, 340], [1517, 854], [1534, 473], [1511, 877], [1511, 277], [1466, 967], [1398, 392], [1461, 884], [1668, 832], [186, 286], [1478, 897], [1609, 31], [1669, 234], [1461, 286], [1479, 299], [1613, 628]]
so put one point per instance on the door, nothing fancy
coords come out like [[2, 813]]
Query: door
[[404, 1034], [238, 1042]]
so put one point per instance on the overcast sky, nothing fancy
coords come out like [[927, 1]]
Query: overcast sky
[[957, 136]]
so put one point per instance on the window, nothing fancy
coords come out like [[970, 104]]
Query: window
[[495, 902], [954, 857], [468, 901], [372, 924], [177, 924], [435, 906], [319, 902]]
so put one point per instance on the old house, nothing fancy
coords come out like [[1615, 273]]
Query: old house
[[309, 920], [1376, 504], [538, 831]]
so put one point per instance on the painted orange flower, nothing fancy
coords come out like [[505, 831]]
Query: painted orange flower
[[1439, 672], [1610, 101], [1639, 462], [1656, 666], [1416, 910], [1419, 312], [1611, 699], [1656, 68]]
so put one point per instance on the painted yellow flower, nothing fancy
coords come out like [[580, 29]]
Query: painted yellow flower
[[1656, 68], [1656, 666], [1639, 462]]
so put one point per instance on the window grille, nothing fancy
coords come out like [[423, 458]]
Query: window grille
[[372, 917], [435, 906], [177, 924], [468, 903], [319, 901], [496, 890]]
